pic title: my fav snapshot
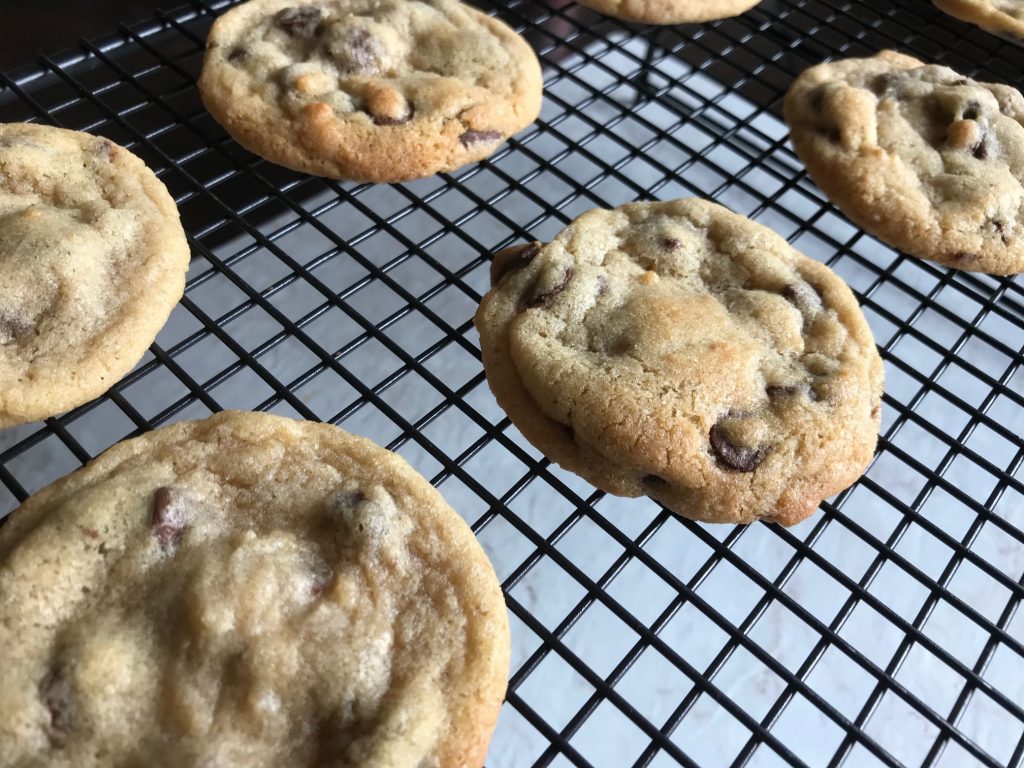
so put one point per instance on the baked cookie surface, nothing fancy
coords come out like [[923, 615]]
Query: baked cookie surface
[[92, 261], [670, 11], [998, 16], [927, 160], [681, 351], [369, 90], [247, 590]]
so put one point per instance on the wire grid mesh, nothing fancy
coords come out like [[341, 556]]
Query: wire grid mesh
[[882, 631]]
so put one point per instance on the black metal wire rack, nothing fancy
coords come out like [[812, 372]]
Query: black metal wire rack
[[882, 631]]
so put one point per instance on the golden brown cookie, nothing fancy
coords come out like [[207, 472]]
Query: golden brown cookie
[[369, 90], [247, 591], [919, 156], [92, 261], [681, 351], [1002, 17], [670, 11]]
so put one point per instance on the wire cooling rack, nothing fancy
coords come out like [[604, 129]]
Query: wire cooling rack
[[882, 631]]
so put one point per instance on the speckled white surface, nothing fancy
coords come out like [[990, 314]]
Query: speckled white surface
[[694, 607]]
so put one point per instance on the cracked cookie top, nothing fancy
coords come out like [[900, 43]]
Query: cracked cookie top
[[247, 591], [369, 90], [925, 159], [681, 351], [92, 261], [998, 16]]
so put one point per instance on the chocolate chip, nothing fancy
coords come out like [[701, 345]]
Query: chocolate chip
[[105, 149], [55, 693], [980, 150], [168, 518], [671, 244], [237, 55], [732, 456], [654, 481], [12, 329], [971, 109], [470, 138], [883, 82], [782, 391], [359, 53], [1001, 229], [347, 501], [545, 298], [804, 297], [965, 256], [512, 259], [400, 120], [301, 22]]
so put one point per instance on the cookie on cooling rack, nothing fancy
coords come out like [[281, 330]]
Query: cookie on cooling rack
[[247, 590], [368, 90], [92, 261], [684, 352], [927, 160], [670, 11], [1002, 17]]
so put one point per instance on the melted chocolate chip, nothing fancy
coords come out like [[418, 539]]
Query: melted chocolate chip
[[105, 149], [470, 138], [512, 259], [732, 456], [883, 82], [545, 298], [300, 22], [12, 329], [55, 693], [237, 55], [168, 518], [400, 120], [804, 297], [971, 110], [782, 391], [347, 501], [980, 150], [359, 54], [1001, 229]]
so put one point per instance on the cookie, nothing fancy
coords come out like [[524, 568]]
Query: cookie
[[247, 590], [917, 155], [92, 261], [368, 90], [1002, 17], [670, 11], [678, 350]]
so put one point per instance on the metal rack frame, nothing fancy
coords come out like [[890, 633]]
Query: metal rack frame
[[600, 76]]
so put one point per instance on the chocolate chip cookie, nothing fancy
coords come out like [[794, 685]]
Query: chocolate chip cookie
[[670, 11], [368, 90], [680, 351], [1002, 17], [927, 160], [247, 591], [92, 261]]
